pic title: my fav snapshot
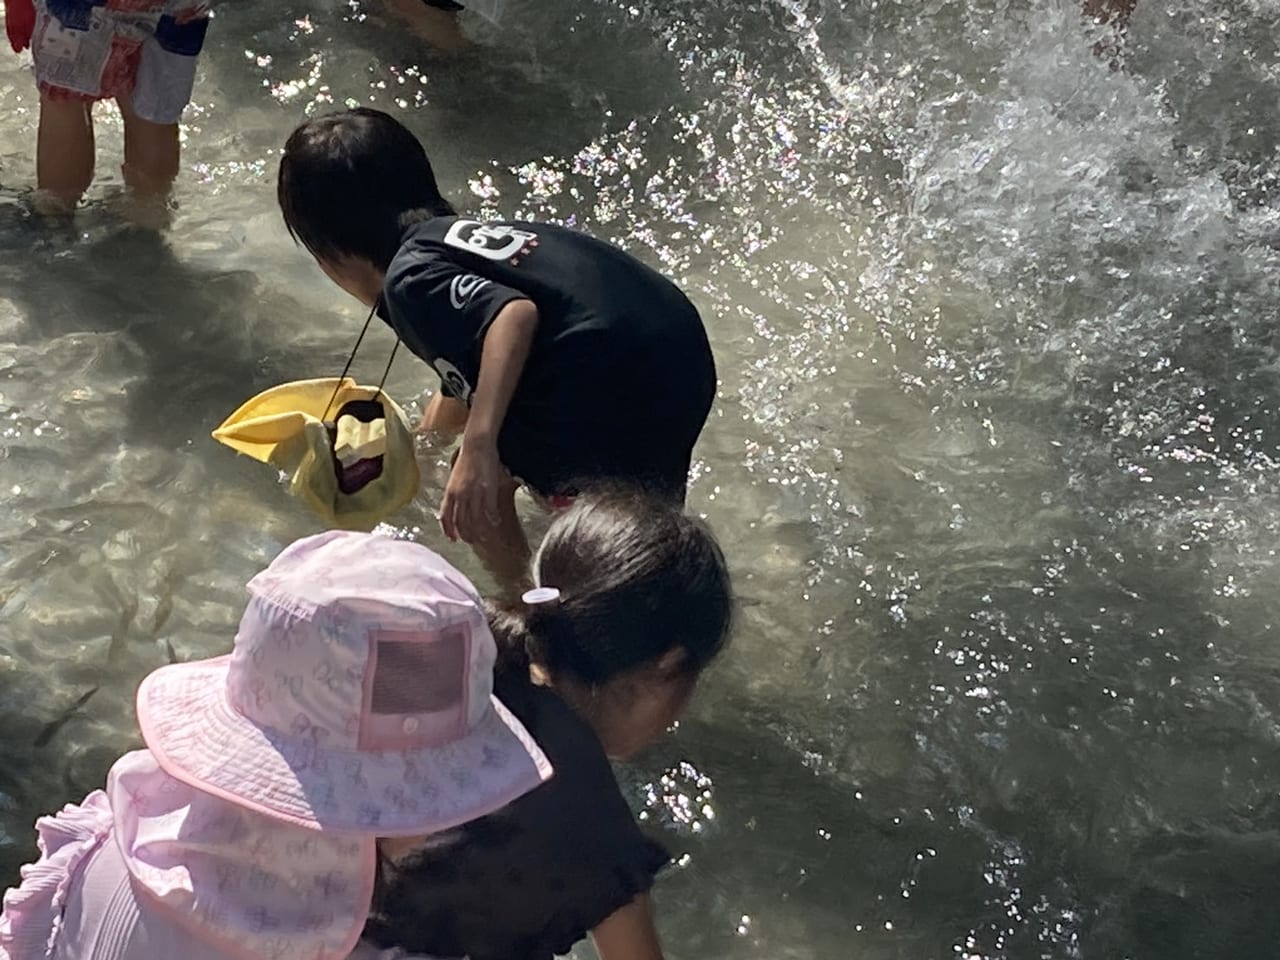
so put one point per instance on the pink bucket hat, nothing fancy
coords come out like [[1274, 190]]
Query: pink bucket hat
[[358, 697]]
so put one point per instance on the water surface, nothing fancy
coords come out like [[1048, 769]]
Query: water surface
[[994, 457]]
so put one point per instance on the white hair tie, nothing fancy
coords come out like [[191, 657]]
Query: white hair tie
[[541, 595]]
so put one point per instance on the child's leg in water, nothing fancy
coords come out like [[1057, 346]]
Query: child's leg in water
[[443, 417], [436, 24], [151, 153], [64, 153]]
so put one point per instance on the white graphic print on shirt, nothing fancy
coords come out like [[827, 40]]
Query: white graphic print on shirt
[[493, 241], [463, 287], [453, 379]]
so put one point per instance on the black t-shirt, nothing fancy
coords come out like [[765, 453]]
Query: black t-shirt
[[620, 359], [530, 881]]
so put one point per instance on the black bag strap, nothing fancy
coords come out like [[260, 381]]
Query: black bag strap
[[351, 359]]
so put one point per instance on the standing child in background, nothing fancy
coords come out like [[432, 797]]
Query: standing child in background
[[141, 53], [436, 21], [565, 362]]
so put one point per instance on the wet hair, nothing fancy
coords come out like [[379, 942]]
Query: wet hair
[[351, 182], [637, 578]]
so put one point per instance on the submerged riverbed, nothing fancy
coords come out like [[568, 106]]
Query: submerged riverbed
[[994, 458]]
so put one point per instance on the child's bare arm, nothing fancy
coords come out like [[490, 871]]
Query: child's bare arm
[[629, 933], [470, 508], [504, 549]]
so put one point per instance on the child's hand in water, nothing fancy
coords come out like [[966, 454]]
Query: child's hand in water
[[469, 509]]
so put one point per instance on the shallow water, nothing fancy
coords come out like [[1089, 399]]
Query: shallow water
[[994, 458]]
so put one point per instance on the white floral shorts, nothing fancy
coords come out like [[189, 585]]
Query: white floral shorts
[[144, 51]]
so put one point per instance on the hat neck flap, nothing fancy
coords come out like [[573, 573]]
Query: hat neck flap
[[256, 886]]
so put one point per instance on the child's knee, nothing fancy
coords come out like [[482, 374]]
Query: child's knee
[[66, 113]]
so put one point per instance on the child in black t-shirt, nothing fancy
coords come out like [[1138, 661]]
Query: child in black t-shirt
[[564, 361], [633, 603]]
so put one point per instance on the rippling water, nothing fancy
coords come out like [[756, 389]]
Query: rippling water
[[994, 459]]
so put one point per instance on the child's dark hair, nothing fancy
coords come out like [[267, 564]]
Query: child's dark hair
[[351, 182], [637, 577]]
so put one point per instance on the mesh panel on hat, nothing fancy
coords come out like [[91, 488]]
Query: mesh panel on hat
[[417, 690]]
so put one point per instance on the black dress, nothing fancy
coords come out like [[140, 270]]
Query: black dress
[[530, 881]]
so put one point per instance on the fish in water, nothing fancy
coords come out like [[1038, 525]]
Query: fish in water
[[120, 635], [53, 726], [113, 596], [164, 609], [169, 584]]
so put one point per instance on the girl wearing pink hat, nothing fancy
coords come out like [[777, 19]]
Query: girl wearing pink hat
[[357, 704]]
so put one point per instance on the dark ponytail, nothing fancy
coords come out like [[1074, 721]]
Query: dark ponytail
[[507, 622], [637, 578]]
